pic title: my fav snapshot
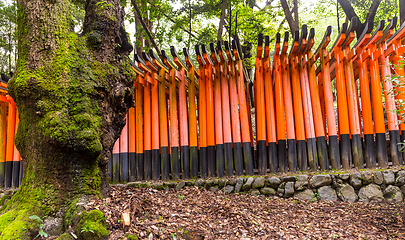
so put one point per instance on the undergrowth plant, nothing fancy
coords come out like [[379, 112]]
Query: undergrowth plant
[[41, 232]]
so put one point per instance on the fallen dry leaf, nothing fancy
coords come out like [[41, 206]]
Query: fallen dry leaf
[[194, 213]]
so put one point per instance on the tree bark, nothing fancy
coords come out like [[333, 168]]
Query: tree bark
[[222, 20], [401, 11], [72, 93], [139, 35], [350, 13], [292, 22], [146, 27]]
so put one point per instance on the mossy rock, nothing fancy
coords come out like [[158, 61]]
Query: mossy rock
[[158, 186], [92, 225], [130, 237], [15, 224], [145, 185], [72, 217], [65, 236]]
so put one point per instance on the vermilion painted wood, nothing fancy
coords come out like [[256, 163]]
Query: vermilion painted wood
[[11, 118], [139, 107], [3, 140]]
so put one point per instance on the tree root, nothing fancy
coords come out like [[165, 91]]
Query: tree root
[[26, 220]]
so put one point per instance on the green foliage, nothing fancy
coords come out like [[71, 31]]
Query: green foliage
[[85, 229], [315, 197], [131, 236], [92, 225], [8, 36], [387, 9], [41, 232]]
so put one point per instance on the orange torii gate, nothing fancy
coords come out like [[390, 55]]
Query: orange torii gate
[[295, 115], [193, 120], [11, 169]]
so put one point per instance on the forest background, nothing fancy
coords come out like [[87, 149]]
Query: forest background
[[186, 23]]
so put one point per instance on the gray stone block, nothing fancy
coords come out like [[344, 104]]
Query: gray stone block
[[371, 192], [248, 184], [199, 182], [367, 177], [389, 177], [288, 179], [258, 183], [228, 189], [180, 185], [400, 178], [320, 181], [273, 182], [346, 193], [327, 193], [254, 192], [231, 181], [289, 189], [222, 183], [268, 191], [378, 177], [355, 180], [393, 193], [307, 194], [344, 176]]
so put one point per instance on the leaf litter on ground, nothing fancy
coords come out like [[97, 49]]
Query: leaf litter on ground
[[196, 213]]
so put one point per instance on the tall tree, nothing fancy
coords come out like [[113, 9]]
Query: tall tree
[[222, 20], [8, 38], [72, 92], [291, 15]]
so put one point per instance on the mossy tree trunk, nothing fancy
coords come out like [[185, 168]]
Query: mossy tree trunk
[[72, 92]]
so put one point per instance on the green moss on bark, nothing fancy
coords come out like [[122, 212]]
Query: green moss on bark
[[65, 112], [92, 225], [65, 236], [15, 224], [72, 92], [3, 199], [131, 237]]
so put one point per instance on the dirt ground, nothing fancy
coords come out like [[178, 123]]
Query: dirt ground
[[193, 213]]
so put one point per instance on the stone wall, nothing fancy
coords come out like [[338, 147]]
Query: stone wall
[[349, 187]]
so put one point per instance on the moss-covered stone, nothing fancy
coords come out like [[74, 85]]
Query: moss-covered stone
[[65, 236], [131, 237], [92, 225], [16, 224], [72, 215]]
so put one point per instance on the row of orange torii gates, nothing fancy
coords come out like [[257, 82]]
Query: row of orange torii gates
[[191, 121], [196, 121]]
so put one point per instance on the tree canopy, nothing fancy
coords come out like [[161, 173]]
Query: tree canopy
[[185, 23]]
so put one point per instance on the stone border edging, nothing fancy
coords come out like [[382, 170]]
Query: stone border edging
[[348, 187]]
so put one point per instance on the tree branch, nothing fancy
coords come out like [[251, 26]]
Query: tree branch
[[372, 10], [221, 20], [349, 11], [295, 11], [146, 28], [187, 31], [347, 8], [171, 20], [288, 16], [401, 11]]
